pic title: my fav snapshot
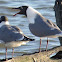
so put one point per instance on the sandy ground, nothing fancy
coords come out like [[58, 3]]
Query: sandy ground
[[37, 57]]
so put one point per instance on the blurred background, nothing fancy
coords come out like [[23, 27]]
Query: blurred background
[[45, 7]]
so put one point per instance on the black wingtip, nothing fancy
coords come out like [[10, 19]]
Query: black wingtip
[[31, 39], [28, 39]]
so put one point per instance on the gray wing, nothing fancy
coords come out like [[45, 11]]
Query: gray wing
[[20, 31], [8, 34], [12, 33], [52, 24], [43, 27], [17, 29]]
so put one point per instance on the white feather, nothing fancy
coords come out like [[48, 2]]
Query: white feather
[[21, 32], [4, 23], [1, 41], [15, 44], [31, 14]]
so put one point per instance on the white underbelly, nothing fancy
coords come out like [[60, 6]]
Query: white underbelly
[[13, 44]]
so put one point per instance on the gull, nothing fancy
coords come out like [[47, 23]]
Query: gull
[[11, 36], [38, 24]]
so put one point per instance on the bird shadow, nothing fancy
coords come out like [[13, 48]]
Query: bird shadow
[[5, 59]]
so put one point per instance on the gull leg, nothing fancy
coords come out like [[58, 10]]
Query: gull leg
[[47, 44], [12, 52], [40, 46], [6, 53]]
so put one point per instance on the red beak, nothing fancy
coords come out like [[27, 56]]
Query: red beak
[[16, 13]]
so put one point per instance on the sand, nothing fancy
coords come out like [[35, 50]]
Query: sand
[[38, 57]]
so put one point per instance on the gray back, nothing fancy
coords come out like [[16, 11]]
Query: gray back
[[43, 27], [8, 34]]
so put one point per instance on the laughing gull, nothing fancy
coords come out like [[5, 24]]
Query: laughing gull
[[12, 36], [38, 24]]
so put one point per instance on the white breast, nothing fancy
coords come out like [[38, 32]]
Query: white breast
[[4, 23], [31, 15]]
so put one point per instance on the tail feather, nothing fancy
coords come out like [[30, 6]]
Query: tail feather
[[59, 35]]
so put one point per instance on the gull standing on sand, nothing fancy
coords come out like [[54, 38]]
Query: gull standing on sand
[[12, 36], [39, 25]]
